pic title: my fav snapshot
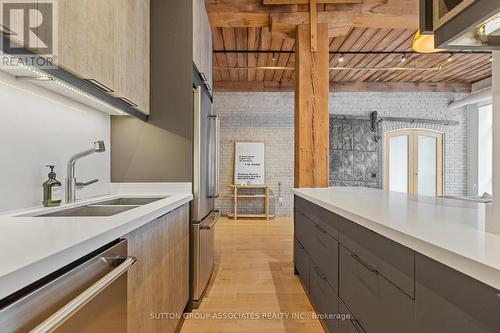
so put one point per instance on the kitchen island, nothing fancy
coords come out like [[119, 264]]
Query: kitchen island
[[397, 262]]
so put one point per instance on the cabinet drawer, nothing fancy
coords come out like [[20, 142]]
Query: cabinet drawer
[[301, 261], [348, 325], [304, 230], [448, 301], [324, 298], [324, 252], [376, 303], [392, 260], [327, 220]]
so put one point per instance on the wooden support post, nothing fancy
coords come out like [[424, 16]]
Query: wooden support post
[[314, 25], [311, 108]]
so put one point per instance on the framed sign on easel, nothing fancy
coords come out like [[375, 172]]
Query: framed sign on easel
[[249, 174], [249, 163]]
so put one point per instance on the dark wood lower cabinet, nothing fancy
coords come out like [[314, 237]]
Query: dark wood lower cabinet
[[384, 286]]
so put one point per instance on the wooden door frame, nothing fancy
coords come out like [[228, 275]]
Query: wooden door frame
[[412, 141]]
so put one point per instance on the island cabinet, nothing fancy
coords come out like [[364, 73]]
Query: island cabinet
[[383, 286], [158, 283], [450, 302]]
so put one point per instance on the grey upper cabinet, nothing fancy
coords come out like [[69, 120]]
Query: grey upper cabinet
[[85, 35], [107, 43], [202, 41], [131, 48]]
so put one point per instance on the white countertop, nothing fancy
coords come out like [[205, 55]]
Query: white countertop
[[446, 230], [33, 247]]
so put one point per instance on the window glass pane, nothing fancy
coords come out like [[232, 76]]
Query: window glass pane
[[485, 150], [398, 164], [427, 165]]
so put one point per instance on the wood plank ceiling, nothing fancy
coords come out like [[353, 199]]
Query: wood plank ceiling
[[239, 71]]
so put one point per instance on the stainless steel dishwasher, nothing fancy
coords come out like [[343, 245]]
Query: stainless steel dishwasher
[[89, 295]]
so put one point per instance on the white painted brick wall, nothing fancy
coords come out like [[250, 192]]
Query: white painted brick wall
[[417, 105], [268, 118]]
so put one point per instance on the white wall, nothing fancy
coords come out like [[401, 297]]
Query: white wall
[[269, 118], [417, 105], [258, 117], [37, 128]]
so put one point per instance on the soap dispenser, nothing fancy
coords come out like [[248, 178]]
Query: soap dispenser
[[52, 190]]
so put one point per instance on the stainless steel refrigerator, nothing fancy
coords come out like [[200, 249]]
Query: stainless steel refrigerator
[[205, 191]]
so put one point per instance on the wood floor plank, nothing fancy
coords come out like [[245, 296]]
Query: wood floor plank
[[254, 274]]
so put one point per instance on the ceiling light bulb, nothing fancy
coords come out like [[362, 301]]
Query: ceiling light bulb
[[274, 57], [403, 58], [341, 58], [424, 43], [450, 58]]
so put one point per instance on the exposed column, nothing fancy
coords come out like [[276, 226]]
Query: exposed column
[[311, 108]]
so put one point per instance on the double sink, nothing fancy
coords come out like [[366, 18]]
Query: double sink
[[102, 208]]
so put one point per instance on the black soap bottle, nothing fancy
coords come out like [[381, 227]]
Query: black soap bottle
[[52, 190]]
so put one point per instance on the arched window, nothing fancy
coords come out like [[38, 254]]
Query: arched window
[[413, 161]]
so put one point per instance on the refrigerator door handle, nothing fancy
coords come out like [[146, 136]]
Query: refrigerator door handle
[[214, 222], [214, 192]]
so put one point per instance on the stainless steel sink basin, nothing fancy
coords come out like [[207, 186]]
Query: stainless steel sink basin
[[91, 210], [129, 201]]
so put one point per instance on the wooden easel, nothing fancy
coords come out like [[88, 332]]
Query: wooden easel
[[237, 196]]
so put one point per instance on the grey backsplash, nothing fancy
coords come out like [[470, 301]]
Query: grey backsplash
[[355, 155]]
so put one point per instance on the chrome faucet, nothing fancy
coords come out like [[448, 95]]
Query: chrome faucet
[[71, 184]]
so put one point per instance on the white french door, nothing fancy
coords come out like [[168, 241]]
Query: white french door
[[413, 161]]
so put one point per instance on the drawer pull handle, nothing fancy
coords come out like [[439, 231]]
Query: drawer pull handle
[[364, 264], [320, 274], [320, 229]]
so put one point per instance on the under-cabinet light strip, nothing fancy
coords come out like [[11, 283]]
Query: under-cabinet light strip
[[44, 76]]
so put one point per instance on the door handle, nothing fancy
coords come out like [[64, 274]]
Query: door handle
[[319, 228], [128, 102], [214, 222], [72, 307], [100, 85], [216, 119], [364, 264], [321, 275]]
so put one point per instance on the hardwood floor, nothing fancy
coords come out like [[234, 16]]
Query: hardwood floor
[[254, 276]]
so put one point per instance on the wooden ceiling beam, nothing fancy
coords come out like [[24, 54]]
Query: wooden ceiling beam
[[273, 86], [306, 2], [402, 14]]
